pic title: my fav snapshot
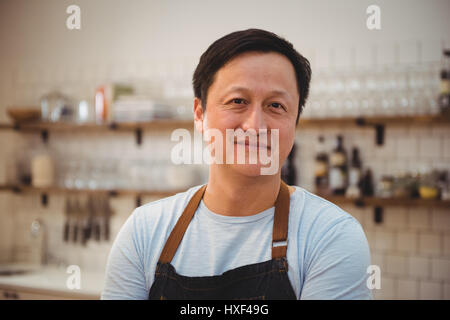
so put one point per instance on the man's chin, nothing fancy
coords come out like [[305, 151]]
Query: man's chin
[[249, 170]]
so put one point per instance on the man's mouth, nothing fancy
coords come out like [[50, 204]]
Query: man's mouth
[[252, 145]]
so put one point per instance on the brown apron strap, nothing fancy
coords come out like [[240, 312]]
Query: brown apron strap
[[280, 224], [180, 228]]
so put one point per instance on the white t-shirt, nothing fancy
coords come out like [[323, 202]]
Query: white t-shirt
[[328, 254]]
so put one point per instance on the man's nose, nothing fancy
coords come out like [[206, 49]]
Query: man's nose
[[254, 119]]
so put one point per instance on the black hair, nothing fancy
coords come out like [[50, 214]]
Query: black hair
[[231, 45]]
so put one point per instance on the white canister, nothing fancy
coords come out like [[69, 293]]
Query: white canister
[[179, 177], [42, 171]]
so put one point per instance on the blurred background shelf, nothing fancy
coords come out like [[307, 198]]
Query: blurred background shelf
[[153, 125], [375, 120], [170, 124], [339, 200], [113, 192], [380, 202]]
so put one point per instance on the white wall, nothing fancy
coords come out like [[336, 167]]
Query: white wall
[[155, 40], [139, 38]]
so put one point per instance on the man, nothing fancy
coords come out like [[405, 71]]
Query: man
[[244, 234]]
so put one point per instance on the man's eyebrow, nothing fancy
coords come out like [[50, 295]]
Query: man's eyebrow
[[244, 89]]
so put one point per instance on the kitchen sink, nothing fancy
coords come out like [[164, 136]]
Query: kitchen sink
[[12, 272], [16, 269]]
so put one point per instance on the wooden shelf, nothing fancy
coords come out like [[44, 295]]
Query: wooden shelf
[[45, 127], [113, 192], [6, 126], [382, 202], [339, 200], [170, 124], [125, 126], [376, 120]]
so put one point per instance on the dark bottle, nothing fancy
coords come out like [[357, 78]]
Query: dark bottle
[[355, 175], [444, 95], [321, 168], [338, 168], [367, 187], [289, 171]]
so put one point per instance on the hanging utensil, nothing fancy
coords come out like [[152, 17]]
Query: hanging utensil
[[67, 212], [107, 218], [76, 225]]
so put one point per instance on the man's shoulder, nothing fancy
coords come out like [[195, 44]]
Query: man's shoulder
[[317, 211], [169, 207], [327, 228]]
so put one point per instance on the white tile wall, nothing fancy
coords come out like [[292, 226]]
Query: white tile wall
[[407, 289], [429, 147], [440, 269], [446, 147], [387, 150], [407, 147], [385, 240], [440, 219], [429, 244], [396, 218], [419, 218], [378, 259], [396, 265], [419, 267], [407, 242], [446, 245], [411, 245], [388, 289], [430, 290], [446, 291]]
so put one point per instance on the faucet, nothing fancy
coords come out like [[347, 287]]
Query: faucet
[[38, 227]]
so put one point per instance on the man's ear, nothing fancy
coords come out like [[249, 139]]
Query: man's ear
[[198, 115]]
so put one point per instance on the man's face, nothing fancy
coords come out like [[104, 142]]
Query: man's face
[[251, 92]]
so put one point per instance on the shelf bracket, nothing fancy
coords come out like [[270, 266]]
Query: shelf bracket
[[113, 126], [113, 193], [138, 201], [359, 202], [378, 214], [379, 129], [44, 199], [138, 134], [44, 135], [360, 121]]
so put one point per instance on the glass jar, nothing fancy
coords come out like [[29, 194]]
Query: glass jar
[[55, 106], [428, 185], [385, 187], [405, 186], [42, 169]]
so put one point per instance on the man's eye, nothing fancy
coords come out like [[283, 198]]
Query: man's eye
[[238, 101], [276, 105]]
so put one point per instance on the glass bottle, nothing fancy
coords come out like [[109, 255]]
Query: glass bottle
[[353, 190], [444, 96], [289, 171], [321, 168], [338, 168]]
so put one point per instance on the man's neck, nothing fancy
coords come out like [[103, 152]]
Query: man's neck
[[232, 194]]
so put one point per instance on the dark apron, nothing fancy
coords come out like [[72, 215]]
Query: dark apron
[[266, 280]]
